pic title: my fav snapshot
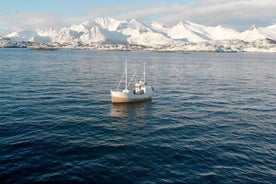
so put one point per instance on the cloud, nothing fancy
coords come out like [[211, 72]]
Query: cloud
[[30, 21], [235, 13], [239, 14], [139, 11]]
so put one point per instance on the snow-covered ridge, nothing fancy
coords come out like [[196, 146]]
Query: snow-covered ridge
[[156, 36]]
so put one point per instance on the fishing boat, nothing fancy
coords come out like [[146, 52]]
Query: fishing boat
[[138, 92]]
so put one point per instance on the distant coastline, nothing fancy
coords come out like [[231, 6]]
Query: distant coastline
[[218, 46]]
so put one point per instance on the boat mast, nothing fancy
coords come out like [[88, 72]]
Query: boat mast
[[126, 76], [145, 73]]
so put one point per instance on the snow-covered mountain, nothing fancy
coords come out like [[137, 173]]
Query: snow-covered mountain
[[32, 36], [8, 43], [22, 35], [108, 30], [132, 32], [191, 32], [269, 31], [253, 33]]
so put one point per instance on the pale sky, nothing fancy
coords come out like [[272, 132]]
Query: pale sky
[[37, 14]]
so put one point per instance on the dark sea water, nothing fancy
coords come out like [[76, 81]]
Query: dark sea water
[[212, 119]]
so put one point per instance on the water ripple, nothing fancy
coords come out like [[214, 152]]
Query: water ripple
[[212, 119]]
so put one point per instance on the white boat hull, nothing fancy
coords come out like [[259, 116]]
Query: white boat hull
[[130, 96]]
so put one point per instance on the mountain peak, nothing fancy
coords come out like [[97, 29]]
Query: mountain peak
[[105, 20], [252, 27], [108, 23], [135, 21], [181, 23], [86, 23], [252, 34]]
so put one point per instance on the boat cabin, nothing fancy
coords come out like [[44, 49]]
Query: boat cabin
[[139, 88]]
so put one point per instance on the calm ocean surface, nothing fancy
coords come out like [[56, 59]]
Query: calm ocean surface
[[212, 119]]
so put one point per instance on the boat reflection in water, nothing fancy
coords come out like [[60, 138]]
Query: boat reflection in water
[[138, 109]]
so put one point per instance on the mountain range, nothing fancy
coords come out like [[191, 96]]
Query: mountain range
[[185, 36]]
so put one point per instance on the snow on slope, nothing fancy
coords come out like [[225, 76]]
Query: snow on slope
[[94, 35], [149, 39], [108, 23], [89, 33], [66, 35], [82, 28], [40, 39], [7, 42], [159, 27], [183, 31], [269, 31], [251, 35], [33, 36], [22, 35], [108, 30], [113, 37], [141, 34], [86, 33], [199, 33], [51, 33], [213, 33]]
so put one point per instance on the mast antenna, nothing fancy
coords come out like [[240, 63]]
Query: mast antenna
[[145, 73], [126, 75]]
